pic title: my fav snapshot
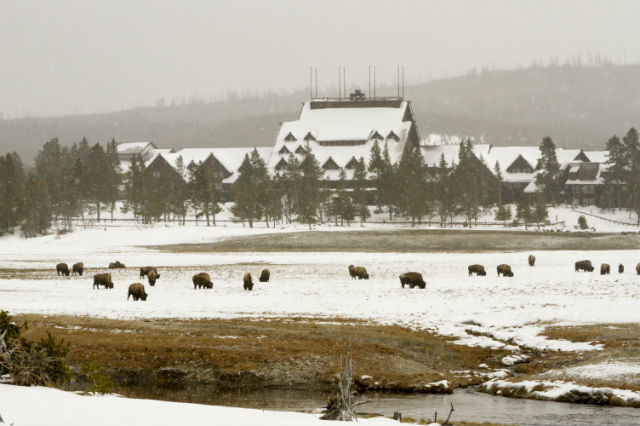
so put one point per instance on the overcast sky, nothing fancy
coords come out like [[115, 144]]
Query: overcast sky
[[76, 56]]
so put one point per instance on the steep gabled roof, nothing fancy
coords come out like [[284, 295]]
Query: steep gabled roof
[[330, 164], [352, 164]]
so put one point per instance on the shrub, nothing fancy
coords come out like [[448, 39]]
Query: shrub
[[28, 362], [100, 381], [582, 222]]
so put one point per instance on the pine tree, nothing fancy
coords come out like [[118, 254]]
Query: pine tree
[[412, 182], [499, 181], [134, 194], [263, 187], [113, 177], [443, 191], [524, 209], [37, 207], [12, 182], [203, 191], [309, 196], [245, 192], [50, 169], [548, 179], [100, 180], [539, 213], [632, 179], [180, 191], [376, 169], [389, 182], [464, 182], [360, 191], [615, 173]]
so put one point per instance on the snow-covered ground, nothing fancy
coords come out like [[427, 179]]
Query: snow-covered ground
[[512, 310], [55, 407]]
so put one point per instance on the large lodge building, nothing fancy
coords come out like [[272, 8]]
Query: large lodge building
[[341, 131]]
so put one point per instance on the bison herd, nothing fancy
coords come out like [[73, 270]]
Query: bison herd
[[203, 280]]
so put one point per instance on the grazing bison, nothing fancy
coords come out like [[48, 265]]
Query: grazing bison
[[584, 265], [360, 272], [116, 265], [62, 268], [620, 268], [477, 269], [152, 277], [412, 279], [102, 280], [145, 271], [137, 291], [247, 282], [77, 268], [352, 272], [532, 260], [605, 269], [504, 270], [264, 276], [638, 268], [202, 280]]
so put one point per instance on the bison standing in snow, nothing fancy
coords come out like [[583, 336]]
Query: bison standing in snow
[[77, 268], [247, 282], [504, 270], [102, 280], [621, 268], [202, 280], [137, 291], [584, 265], [145, 271], [638, 268], [62, 268], [264, 276], [361, 273], [152, 276], [412, 279], [532, 260], [116, 265], [477, 269], [605, 269]]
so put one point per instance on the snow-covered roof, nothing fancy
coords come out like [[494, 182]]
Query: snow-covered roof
[[585, 174], [597, 156], [133, 147], [230, 158], [343, 130]]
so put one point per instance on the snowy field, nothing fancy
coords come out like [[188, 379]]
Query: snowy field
[[318, 285]]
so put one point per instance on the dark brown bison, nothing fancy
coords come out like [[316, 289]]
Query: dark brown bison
[[621, 268], [638, 268], [77, 268], [412, 279], [116, 265], [352, 272], [102, 280], [361, 273], [477, 269], [145, 271], [532, 260], [62, 268], [202, 280], [152, 277], [584, 265], [504, 270], [137, 291], [605, 269], [247, 282], [264, 276]]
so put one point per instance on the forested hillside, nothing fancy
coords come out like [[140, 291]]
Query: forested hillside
[[579, 106]]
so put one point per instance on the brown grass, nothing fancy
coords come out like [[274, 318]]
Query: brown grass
[[415, 241], [280, 352]]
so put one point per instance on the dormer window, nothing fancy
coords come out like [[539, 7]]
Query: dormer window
[[300, 150], [284, 150], [309, 137], [330, 165], [290, 138], [352, 164], [376, 136], [392, 135], [282, 164]]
